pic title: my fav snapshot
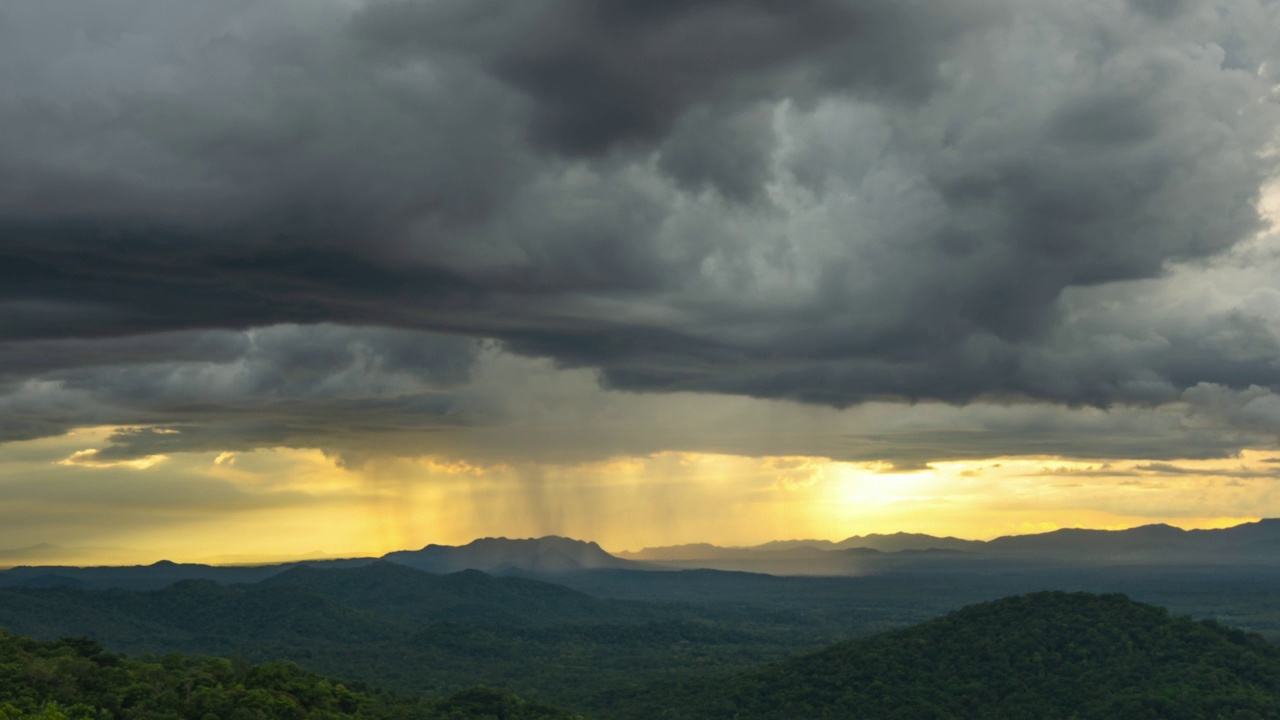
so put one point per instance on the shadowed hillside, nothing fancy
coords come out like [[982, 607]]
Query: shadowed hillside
[[468, 595]]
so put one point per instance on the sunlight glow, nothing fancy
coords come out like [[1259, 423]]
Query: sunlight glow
[[288, 502]]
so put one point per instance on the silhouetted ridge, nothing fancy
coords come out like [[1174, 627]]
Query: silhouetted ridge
[[546, 555], [1249, 544]]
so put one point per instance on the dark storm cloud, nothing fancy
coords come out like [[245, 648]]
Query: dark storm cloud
[[107, 279], [221, 390], [615, 72], [822, 201]]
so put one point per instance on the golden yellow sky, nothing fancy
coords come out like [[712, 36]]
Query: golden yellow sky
[[989, 279], [279, 503]]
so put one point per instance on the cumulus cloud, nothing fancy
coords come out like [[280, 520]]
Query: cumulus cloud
[[261, 223]]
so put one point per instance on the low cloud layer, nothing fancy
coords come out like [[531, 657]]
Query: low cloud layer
[[511, 410], [289, 223]]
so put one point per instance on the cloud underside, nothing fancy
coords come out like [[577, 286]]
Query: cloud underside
[[344, 225]]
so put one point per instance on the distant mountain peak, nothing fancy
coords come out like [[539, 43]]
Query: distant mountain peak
[[545, 540], [548, 554]]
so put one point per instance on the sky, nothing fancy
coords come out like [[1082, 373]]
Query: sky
[[281, 277]]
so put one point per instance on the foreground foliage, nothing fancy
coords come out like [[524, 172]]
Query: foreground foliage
[[413, 632], [75, 679]]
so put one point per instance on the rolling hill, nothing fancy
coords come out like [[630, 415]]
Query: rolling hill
[[412, 631], [466, 596], [1043, 655]]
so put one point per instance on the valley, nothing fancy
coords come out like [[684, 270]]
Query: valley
[[562, 623]]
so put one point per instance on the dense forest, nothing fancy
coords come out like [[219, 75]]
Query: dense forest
[[1044, 655], [412, 631], [418, 633], [76, 679], [1041, 655]]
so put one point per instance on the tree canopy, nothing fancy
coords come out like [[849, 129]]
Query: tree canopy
[[76, 679]]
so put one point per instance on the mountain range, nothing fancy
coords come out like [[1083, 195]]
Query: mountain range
[[1249, 544], [1256, 543], [547, 556]]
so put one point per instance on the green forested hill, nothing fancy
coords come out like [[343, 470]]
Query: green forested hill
[[75, 679], [1044, 655]]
